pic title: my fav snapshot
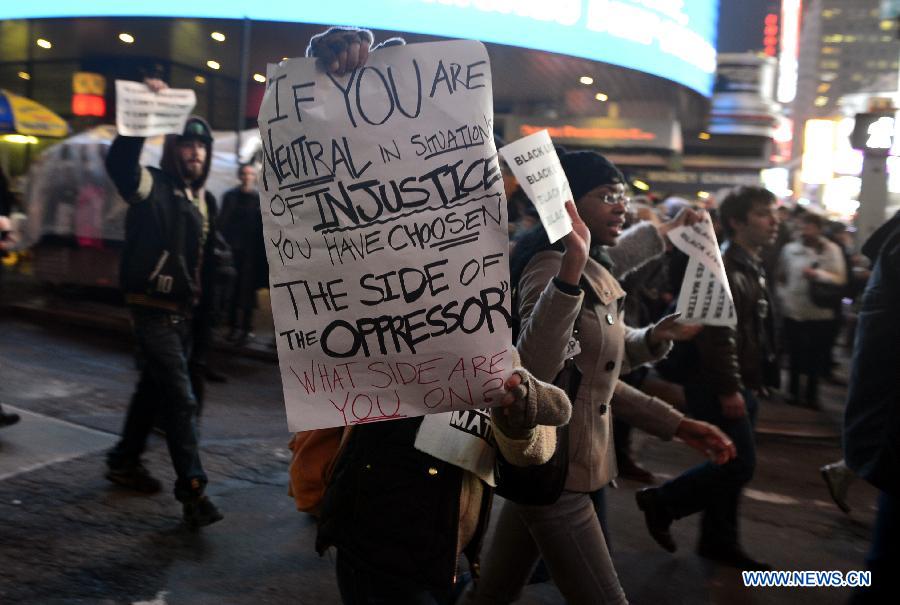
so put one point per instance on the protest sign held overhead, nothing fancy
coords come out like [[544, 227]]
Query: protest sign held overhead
[[140, 112], [705, 295], [386, 233], [536, 166]]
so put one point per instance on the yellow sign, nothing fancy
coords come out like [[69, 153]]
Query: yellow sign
[[88, 83]]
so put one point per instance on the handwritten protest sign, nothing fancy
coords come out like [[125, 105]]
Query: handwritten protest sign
[[705, 295], [140, 112], [386, 233], [534, 162]]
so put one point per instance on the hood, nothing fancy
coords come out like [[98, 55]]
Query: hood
[[873, 245], [169, 162]]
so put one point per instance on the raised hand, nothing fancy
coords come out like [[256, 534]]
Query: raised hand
[[578, 245]]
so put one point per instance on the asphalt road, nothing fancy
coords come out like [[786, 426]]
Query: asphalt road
[[69, 537]]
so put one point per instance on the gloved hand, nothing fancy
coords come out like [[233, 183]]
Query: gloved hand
[[340, 49], [529, 402]]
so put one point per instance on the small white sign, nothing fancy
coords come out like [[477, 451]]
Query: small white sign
[[534, 162], [705, 294], [140, 112]]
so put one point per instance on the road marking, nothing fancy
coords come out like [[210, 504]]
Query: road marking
[[39, 440], [770, 497], [160, 599]]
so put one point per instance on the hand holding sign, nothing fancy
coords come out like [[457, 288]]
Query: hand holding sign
[[534, 163], [151, 108]]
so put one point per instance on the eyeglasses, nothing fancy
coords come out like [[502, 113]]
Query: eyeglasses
[[613, 199]]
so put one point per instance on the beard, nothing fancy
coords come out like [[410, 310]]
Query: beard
[[191, 171]]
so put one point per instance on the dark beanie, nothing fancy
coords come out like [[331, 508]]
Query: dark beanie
[[587, 170]]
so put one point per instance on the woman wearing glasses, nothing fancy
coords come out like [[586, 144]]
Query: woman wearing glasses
[[569, 291]]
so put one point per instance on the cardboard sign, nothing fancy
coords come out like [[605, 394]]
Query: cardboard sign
[[534, 162], [141, 112], [705, 295], [386, 233]]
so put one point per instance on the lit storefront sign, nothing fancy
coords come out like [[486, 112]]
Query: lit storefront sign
[[600, 132], [87, 94], [673, 39], [790, 50], [818, 152]]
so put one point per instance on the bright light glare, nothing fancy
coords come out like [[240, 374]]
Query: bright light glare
[[213, 64], [126, 38], [586, 80], [217, 36]]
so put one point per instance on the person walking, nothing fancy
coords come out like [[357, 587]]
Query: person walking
[[733, 365], [166, 230], [557, 290], [241, 226]]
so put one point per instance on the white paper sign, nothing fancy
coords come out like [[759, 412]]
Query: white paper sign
[[705, 295], [534, 163], [386, 233], [141, 112], [464, 438]]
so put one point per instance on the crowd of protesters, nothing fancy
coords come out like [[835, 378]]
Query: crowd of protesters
[[611, 283]]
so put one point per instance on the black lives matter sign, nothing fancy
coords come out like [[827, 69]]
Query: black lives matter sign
[[386, 233]]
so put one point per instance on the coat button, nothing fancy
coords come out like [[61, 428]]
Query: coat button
[[609, 319], [603, 408], [610, 366]]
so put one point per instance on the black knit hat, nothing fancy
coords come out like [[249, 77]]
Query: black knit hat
[[587, 170]]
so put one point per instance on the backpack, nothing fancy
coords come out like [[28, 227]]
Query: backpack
[[314, 456]]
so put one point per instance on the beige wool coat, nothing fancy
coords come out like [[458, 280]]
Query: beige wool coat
[[608, 348]]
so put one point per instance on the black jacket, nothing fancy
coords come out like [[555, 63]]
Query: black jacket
[[155, 196], [872, 417], [723, 359], [394, 511]]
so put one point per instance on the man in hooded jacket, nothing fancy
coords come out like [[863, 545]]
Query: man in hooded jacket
[[166, 239]]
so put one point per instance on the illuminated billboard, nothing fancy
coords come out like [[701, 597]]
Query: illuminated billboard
[[673, 39]]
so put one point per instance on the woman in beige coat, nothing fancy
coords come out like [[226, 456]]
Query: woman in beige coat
[[555, 287]]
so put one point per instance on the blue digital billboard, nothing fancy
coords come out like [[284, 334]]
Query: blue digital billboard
[[673, 39]]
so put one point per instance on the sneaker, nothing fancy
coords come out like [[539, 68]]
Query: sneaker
[[134, 477], [7, 419], [838, 477], [732, 556], [200, 511], [656, 516]]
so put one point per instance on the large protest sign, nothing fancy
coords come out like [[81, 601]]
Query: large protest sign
[[705, 295], [140, 112], [536, 166], [386, 233]]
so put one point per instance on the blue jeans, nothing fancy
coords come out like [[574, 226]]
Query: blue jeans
[[712, 488], [163, 392], [360, 587]]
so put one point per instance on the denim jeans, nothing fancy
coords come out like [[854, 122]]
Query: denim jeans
[[568, 536], [163, 392], [712, 488], [360, 587]]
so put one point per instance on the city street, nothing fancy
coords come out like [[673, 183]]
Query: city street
[[70, 537]]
